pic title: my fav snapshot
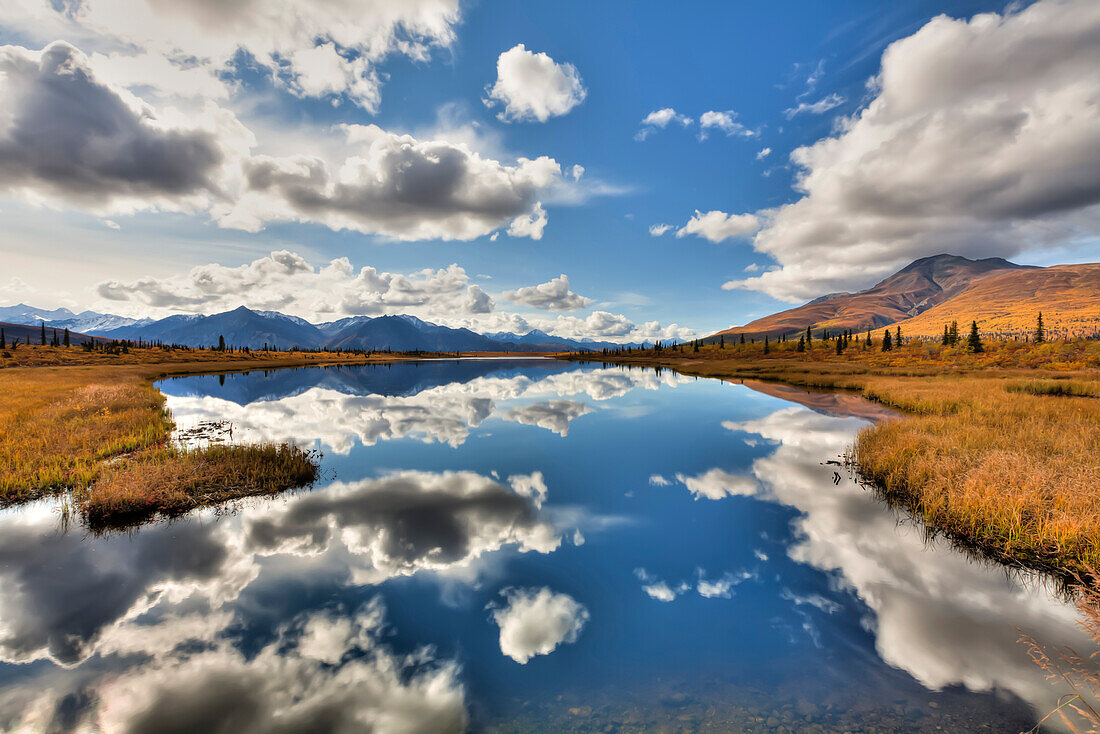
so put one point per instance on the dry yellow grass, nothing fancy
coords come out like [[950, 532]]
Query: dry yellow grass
[[990, 450], [1013, 473], [100, 430], [172, 481]]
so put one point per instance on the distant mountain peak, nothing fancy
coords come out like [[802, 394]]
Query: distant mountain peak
[[913, 289]]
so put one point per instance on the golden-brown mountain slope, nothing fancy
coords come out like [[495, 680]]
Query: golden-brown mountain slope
[[1007, 304], [915, 288]]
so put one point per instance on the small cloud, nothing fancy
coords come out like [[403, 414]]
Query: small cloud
[[659, 120], [721, 588], [110, 223], [659, 229], [536, 621], [764, 153], [819, 107], [814, 600], [578, 171], [724, 121], [532, 86], [658, 481], [718, 226]]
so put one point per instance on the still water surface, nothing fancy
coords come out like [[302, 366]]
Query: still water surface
[[520, 546]]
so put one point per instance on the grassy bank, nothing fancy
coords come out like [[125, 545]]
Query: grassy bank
[[1000, 450], [96, 427]]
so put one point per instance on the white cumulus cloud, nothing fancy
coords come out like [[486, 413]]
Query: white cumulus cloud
[[533, 87], [718, 226], [536, 621], [982, 138], [553, 295]]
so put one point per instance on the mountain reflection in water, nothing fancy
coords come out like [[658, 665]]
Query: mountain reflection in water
[[526, 545]]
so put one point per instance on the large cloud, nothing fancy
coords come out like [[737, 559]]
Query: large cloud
[[554, 295], [983, 138], [532, 86], [395, 185], [72, 132], [65, 133], [408, 522], [286, 282], [920, 622], [312, 48], [321, 671], [535, 621]]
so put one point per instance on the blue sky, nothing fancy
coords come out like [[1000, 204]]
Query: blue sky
[[129, 246]]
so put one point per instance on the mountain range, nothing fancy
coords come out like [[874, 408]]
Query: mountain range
[[244, 327], [1003, 297]]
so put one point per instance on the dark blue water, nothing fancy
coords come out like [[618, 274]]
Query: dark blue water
[[520, 546]]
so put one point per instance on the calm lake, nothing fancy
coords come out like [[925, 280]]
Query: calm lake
[[521, 545]]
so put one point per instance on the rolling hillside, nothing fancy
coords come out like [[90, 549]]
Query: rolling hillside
[[33, 334], [921, 285], [1007, 304]]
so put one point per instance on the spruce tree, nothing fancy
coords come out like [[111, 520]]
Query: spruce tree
[[887, 344], [809, 336], [801, 344], [766, 349], [221, 343], [897, 339], [3, 340], [839, 345], [954, 333], [43, 333], [974, 343], [66, 339], [946, 336], [1040, 333], [742, 337]]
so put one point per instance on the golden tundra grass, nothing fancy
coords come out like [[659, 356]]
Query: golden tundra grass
[[101, 431], [1011, 472], [1000, 450]]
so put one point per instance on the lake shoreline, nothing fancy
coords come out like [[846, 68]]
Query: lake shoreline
[[990, 457], [92, 426]]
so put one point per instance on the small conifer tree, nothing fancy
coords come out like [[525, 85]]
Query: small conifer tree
[[766, 348], [974, 343], [65, 341], [3, 339], [887, 342], [43, 333], [801, 343], [1040, 333]]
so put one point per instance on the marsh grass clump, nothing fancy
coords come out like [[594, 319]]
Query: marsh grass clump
[[1015, 474], [172, 481], [1068, 388]]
